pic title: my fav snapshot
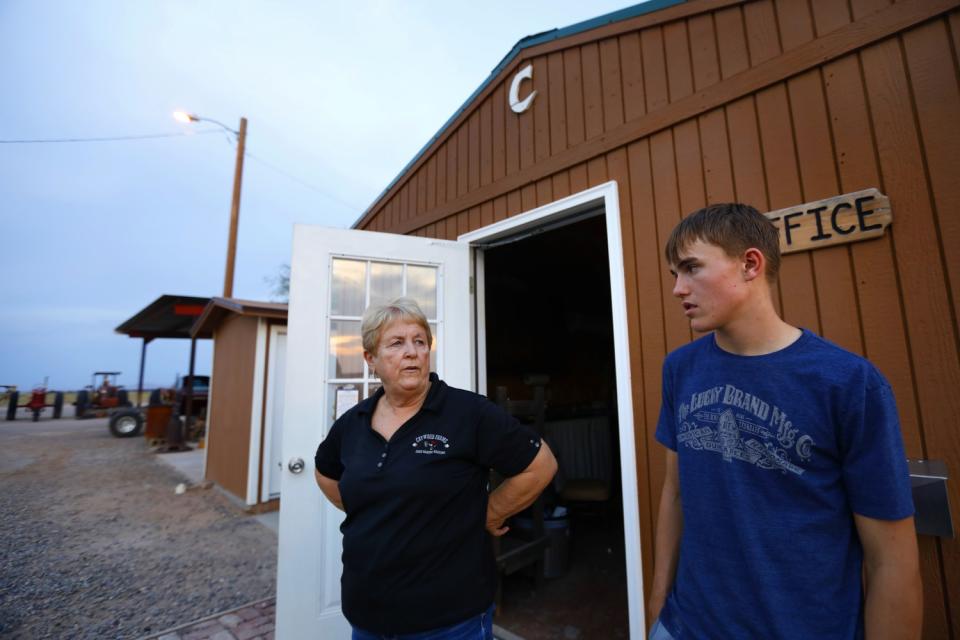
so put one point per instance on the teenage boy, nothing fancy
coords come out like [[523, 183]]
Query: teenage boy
[[786, 511]]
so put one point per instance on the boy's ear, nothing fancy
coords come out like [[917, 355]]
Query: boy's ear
[[754, 264]]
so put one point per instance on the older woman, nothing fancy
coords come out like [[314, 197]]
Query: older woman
[[409, 466]]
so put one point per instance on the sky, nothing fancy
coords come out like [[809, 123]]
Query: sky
[[339, 96]]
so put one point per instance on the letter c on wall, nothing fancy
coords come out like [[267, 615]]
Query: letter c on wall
[[518, 105]]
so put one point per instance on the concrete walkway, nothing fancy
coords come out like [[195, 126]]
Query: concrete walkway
[[189, 464]]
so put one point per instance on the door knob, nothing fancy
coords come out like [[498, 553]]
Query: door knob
[[295, 465]]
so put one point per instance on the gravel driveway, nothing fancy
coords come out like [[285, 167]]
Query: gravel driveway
[[94, 543]]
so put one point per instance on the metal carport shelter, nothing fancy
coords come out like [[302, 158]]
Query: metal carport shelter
[[169, 316]]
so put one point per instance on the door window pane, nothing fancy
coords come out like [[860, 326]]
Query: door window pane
[[422, 287], [433, 347], [386, 282], [346, 350], [348, 290]]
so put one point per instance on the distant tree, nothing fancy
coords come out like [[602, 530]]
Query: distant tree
[[280, 284]]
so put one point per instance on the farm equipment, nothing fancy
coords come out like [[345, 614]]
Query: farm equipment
[[165, 405], [99, 399], [36, 404]]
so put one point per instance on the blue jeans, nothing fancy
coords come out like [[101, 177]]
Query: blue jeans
[[659, 632], [479, 627]]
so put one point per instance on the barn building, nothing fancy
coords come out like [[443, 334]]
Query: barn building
[[842, 119]]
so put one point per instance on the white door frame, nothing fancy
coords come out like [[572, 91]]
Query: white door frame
[[256, 413], [268, 425], [606, 195]]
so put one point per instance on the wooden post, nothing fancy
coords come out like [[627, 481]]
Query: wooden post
[[235, 210], [143, 359]]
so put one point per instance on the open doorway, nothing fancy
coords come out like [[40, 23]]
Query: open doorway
[[549, 325]]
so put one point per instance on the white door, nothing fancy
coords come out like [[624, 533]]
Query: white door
[[273, 438], [335, 274]]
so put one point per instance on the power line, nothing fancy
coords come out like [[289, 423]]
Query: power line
[[229, 140], [111, 138], [304, 183]]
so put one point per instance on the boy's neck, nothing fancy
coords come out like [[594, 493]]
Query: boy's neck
[[756, 332]]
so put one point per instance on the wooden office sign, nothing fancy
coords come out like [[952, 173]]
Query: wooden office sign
[[851, 217]]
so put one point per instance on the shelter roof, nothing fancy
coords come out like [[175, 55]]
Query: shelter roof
[[219, 308], [649, 6], [168, 316]]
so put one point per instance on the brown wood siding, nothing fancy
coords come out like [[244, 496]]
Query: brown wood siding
[[771, 102], [228, 451]]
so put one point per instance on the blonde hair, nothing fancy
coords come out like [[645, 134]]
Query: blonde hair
[[376, 317]]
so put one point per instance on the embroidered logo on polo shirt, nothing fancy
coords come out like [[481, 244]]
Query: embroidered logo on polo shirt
[[431, 444]]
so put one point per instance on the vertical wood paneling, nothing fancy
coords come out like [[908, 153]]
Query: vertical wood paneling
[[573, 85], [597, 171], [796, 27], [717, 168], [578, 178], [514, 203], [651, 348], [592, 90], [929, 326], [668, 213], [634, 100], [732, 43], [512, 140], [937, 99], [499, 108], [452, 152], [486, 213], [654, 69], [836, 295], [829, 15], [797, 296], [703, 50], [422, 180], [500, 208], [528, 198], [463, 160], [561, 185], [525, 125], [486, 143], [689, 159], [473, 144], [541, 110], [398, 208], [761, 24], [544, 192], [431, 187], [611, 81], [442, 175], [679, 69], [618, 170], [557, 103]]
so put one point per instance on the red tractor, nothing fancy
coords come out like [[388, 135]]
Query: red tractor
[[101, 396], [37, 403]]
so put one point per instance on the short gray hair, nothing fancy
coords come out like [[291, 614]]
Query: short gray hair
[[376, 317]]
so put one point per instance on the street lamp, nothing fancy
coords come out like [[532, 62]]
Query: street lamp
[[241, 134]]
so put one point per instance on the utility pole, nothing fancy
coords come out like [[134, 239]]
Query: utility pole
[[235, 211]]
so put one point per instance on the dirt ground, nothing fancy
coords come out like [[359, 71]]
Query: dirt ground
[[95, 543]]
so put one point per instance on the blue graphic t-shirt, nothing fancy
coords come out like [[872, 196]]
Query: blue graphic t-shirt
[[776, 453]]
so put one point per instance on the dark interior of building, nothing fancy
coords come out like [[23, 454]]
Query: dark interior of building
[[549, 333]]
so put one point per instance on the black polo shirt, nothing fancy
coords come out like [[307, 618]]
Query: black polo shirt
[[416, 553]]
